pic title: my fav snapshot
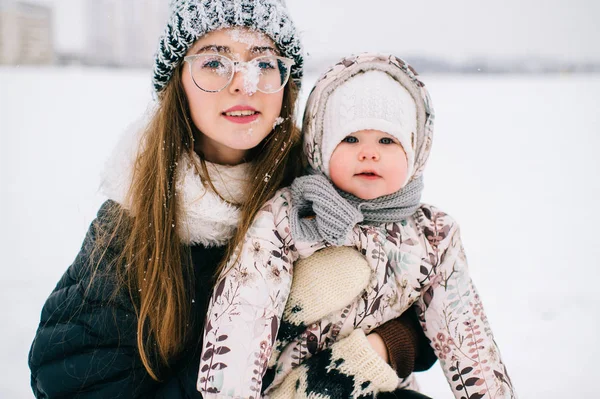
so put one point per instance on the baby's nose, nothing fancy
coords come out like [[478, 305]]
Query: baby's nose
[[368, 153]]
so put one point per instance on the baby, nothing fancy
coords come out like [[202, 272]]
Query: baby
[[367, 135]]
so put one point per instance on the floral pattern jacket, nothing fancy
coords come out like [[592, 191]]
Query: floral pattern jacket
[[418, 261]]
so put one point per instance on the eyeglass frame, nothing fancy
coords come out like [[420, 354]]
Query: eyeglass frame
[[237, 65]]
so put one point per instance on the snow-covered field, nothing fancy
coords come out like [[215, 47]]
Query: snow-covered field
[[515, 161]]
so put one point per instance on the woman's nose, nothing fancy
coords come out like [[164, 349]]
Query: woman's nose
[[240, 82], [237, 83]]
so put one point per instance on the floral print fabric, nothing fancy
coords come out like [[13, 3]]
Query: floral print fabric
[[419, 261]]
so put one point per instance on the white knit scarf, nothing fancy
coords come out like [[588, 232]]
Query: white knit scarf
[[203, 216]]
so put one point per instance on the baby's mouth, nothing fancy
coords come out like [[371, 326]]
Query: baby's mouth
[[368, 175]]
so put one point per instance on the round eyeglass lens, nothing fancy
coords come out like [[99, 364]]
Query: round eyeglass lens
[[273, 74], [211, 72]]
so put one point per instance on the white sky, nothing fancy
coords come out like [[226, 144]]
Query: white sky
[[452, 29]]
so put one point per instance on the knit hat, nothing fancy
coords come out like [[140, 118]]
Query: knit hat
[[191, 19], [370, 100]]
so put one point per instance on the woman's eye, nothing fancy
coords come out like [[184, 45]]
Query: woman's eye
[[350, 139], [266, 64], [386, 140], [212, 64]]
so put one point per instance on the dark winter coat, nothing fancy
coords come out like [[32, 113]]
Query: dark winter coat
[[85, 345]]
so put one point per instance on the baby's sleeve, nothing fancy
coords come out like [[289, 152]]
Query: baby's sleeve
[[454, 320], [246, 307]]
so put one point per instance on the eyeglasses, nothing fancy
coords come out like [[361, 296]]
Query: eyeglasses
[[213, 72]]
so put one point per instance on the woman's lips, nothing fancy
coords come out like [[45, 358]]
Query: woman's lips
[[242, 119], [241, 114]]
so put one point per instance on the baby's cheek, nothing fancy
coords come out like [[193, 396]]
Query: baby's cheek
[[336, 173], [338, 165], [396, 184], [403, 164], [399, 173]]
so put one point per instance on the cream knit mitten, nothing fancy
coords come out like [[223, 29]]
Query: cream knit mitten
[[325, 282], [350, 368]]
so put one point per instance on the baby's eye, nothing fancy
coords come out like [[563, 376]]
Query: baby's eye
[[350, 139], [386, 140]]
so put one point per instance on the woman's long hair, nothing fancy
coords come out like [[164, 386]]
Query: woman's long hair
[[153, 265]]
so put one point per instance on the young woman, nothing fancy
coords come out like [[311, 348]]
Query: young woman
[[126, 319]]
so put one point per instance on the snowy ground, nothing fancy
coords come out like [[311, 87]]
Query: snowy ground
[[515, 161]]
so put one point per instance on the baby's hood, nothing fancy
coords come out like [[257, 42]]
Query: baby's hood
[[344, 70]]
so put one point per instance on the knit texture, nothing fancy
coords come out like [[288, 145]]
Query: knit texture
[[370, 101], [350, 368], [390, 208], [191, 19], [334, 217], [317, 292], [327, 281], [399, 338], [203, 217], [337, 212], [324, 282]]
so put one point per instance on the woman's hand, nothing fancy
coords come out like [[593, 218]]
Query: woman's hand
[[378, 346]]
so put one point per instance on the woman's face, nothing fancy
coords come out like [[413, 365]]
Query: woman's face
[[237, 118]]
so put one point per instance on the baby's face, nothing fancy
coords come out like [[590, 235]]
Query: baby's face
[[368, 164]]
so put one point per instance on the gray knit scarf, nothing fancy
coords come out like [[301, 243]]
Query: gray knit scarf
[[337, 212]]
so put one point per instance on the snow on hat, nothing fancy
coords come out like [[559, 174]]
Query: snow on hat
[[371, 100], [191, 19]]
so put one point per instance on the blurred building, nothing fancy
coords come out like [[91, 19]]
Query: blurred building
[[25, 33], [123, 33]]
